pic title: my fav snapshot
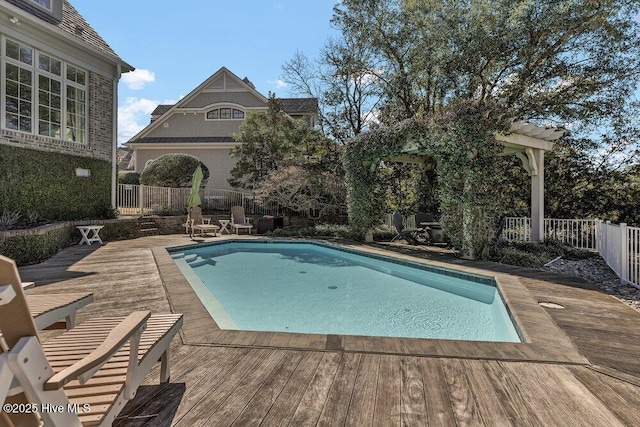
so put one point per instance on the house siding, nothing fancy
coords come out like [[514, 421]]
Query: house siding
[[190, 124], [246, 99], [218, 160]]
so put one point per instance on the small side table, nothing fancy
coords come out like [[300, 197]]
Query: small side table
[[224, 223], [94, 230]]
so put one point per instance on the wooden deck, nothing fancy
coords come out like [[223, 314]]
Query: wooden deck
[[580, 365]]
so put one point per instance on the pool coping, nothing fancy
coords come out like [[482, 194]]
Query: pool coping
[[544, 340]]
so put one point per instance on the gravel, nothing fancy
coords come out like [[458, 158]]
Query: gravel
[[597, 271]]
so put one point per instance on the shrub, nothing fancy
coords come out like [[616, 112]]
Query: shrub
[[131, 178], [45, 182], [172, 170], [513, 256]]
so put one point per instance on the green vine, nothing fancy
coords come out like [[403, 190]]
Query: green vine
[[461, 140]]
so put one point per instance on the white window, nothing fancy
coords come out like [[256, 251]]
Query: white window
[[225, 114], [44, 95], [44, 3]]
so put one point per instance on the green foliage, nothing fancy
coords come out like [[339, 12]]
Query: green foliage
[[131, 178], [330, 230], [460, 138], [576, 185], [314, 193], [558, 62], [565, 60], [34, 248], [533, 255], [266, 142], [172, 170], [468, 174], [46, 183], [271, 140]]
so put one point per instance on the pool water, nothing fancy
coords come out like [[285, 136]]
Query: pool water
[[315, 288]]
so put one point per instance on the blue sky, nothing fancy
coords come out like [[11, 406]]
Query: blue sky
[[175, 46]]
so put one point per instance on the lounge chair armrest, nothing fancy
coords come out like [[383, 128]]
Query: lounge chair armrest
[[92, 362], [28, 285]]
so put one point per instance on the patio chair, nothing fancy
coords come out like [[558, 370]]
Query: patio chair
[[432, 228], [238, 220], [49, 310], [84, 376], [201, 224], [408, 234]]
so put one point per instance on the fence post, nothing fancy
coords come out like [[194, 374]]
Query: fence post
[[140, 198], [624, 253]]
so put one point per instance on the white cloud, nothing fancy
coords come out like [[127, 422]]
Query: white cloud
[[136, 79], [133, 115], [280, 84]]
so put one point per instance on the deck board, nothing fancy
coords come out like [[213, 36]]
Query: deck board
[[588, 376]]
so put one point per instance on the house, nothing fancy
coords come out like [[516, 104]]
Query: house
[[57, 112], [203, 122]]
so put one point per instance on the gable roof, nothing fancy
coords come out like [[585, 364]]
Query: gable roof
[[300, 105], [74, 26]]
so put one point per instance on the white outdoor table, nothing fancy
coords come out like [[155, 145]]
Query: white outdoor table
[[225, 226], [94, 230]]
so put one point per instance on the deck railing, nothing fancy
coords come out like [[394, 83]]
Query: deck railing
[[147, 200]]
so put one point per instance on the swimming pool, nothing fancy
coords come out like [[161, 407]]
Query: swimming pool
[[309, 287]]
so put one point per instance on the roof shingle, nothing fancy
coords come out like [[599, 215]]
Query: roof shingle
[[73, 24]]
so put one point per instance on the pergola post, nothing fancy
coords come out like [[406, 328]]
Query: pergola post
[[537, 197]]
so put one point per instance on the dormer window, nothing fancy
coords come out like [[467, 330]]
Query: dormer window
[[43, 3], [51, 7], [225, 114]]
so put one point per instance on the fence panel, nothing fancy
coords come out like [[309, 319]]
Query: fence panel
[[610, 245], [633, 239], [517, 229], [142, 199]]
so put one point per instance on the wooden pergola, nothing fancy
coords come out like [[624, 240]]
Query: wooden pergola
[[528, 142]]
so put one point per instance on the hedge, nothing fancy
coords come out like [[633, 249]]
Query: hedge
[[46, 183], [34, 248]]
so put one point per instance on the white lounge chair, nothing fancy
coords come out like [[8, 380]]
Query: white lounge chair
[[48, 310], [201, 224], [238, 220], [95, 367]]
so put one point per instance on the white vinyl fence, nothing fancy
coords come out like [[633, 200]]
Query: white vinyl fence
[[579, 233], [146, 200], [619, 245]]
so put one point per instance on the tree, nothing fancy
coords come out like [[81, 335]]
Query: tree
[[565, 62], [314, 193], [172, 170], [346, 91], [267, 140], [272, 140], [131, 178], [560, 61]]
